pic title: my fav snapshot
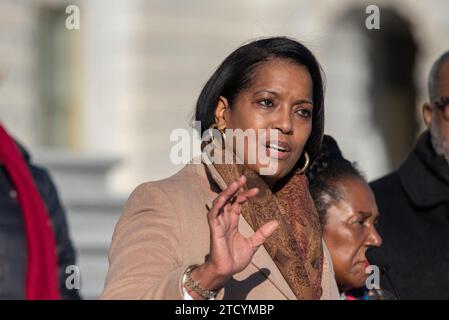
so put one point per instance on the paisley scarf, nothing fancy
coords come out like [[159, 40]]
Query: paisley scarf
[[296, 246]]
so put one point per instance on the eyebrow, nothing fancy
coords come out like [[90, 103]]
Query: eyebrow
[[277, 95], [442, 102], [366, 214]]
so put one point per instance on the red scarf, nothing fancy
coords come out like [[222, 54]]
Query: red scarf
[[42, 266]]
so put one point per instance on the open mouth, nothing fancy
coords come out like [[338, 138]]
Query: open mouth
[[279, 150]]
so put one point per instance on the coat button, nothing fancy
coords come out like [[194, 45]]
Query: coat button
[[13, 194]]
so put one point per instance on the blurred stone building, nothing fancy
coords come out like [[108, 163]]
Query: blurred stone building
[[97, 105]]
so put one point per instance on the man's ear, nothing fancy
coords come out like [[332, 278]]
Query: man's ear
[[220, 113], [427, 113]]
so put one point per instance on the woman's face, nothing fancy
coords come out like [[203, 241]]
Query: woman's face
[[280, 98], [349, 231]]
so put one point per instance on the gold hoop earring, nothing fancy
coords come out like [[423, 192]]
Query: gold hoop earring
[[306, 164], [222, 132]]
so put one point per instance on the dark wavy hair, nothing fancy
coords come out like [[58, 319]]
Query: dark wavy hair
[[236, 73], [329, 168]]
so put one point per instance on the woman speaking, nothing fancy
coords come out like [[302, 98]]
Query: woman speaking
[[228, 229]]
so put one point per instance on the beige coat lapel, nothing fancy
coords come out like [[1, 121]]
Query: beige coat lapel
[[261, 259]]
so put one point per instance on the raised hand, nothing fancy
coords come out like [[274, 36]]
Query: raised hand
[[230, 252]]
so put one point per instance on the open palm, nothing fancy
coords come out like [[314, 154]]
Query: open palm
[[230, 251]]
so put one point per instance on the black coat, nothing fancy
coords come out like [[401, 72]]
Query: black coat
[[13, 252], [414, 224]]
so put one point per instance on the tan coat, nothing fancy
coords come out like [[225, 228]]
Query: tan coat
[[164, 229]]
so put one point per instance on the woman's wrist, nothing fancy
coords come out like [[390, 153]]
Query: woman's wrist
[[206, 278]]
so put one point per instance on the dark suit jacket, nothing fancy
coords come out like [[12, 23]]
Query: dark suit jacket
[[414, 224], [13, 252]]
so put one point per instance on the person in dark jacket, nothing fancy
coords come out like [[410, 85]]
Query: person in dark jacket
[[13, 242], [414, 205]]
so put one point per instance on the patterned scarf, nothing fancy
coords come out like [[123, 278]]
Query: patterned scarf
[[296, 246]]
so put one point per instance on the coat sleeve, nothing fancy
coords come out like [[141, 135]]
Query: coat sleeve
[[145, 256], [65, 250]]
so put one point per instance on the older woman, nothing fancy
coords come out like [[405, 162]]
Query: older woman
[[228, 229], [348, 213]]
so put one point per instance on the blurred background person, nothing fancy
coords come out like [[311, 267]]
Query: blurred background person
[[414, 202], [348, 214], [35, 247]]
